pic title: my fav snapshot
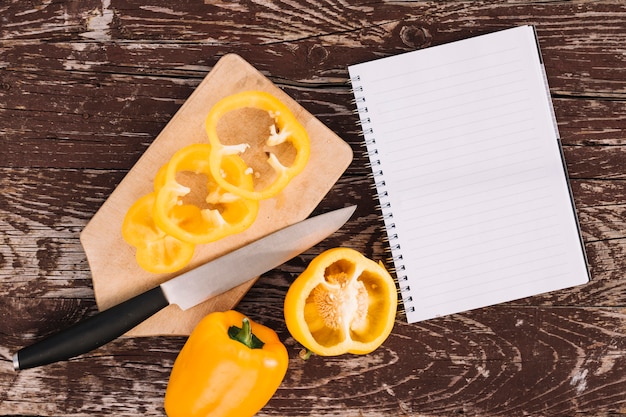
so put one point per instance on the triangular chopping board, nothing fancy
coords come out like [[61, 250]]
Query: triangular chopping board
[[116, 275]]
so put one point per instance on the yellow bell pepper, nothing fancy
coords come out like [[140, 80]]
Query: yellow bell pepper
[[156, 251], [202, 212], [224, 370], [343, 302], [285, 130]]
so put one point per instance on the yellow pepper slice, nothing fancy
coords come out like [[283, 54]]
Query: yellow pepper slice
[[160, 178], [229, 367], [284, 129], [342, 303], [202, 212], [156, 251]]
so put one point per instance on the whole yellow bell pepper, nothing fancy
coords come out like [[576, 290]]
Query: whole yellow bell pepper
[[286, 130], [343, 302], [229, 367]]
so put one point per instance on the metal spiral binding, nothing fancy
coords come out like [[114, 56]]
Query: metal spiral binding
[[380, 188]]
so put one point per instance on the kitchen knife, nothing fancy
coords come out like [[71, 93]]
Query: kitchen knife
[[186, 290]]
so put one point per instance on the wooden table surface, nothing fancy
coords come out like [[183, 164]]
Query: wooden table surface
[[86, 86]]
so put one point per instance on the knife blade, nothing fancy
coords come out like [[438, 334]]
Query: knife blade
[[186, 290]]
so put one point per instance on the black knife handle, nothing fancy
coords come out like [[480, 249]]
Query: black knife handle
[[93, 332]]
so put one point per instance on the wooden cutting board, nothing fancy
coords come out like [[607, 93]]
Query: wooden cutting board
[[115, 273]]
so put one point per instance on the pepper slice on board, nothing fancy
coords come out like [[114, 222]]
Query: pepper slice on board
[[284, 129], [156, 251], [192, 207], [343, 302], [229, 367], [160, 178]]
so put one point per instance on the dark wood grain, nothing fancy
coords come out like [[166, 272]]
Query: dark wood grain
[[86, 86]]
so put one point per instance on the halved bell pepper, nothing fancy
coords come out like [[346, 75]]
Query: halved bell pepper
[[343, 302], [285, 129], [229, 367], [156, 251], [201, 211]]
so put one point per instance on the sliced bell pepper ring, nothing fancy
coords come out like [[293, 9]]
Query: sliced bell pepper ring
[[194, 215], [342, 303], [156, 251], [160, 178], [285, 129], [229, 367]]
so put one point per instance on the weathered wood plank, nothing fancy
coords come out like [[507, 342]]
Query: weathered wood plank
[[125, 36], [476, 363], [109, 120], [41, 254]]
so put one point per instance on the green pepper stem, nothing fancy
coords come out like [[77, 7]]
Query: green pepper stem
[[244, 335], [305, 354]]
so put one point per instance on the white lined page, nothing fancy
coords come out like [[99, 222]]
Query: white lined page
[[466, 140]]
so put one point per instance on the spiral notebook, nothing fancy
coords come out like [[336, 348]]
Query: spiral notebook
[[467, 161]]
